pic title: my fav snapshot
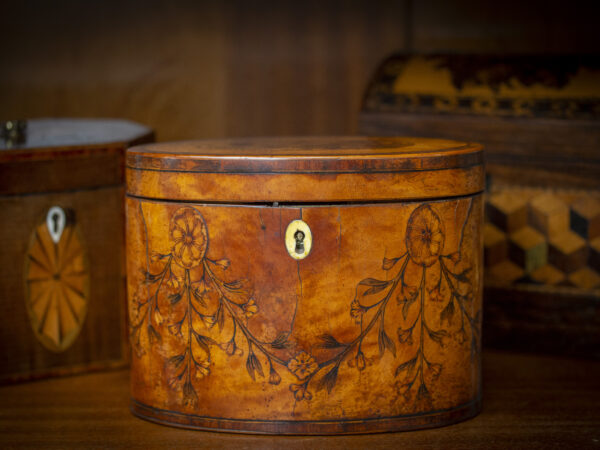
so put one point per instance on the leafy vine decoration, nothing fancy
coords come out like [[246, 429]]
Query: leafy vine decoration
[[214, 302], [425, 242]]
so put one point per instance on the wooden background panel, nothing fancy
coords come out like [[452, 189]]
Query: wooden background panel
[[509, 26], [159, 63], [302, 68], [196, 69]]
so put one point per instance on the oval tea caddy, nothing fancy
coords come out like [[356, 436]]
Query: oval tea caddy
[[323, 285]]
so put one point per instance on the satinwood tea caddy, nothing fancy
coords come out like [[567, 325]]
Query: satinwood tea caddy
[[305, 285]]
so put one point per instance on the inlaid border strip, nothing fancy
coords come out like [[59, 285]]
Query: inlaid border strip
[[406, 422]]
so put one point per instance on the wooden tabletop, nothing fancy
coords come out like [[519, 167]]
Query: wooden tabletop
[[529, 402]]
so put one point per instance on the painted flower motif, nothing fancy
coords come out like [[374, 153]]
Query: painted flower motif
[[202, 369], [274, 377], [455, 257], [407, 294], [361, 363], [138, 348], [250, 308], [222, 263], [158, 318], [436, 370], [465, 289], [231, 348], [174, 383], [190, 398], [435, 295], [302, 365], [357, 310], [405, 336], [404, 388], [189, 237], [134, 307], [423, 392], [300, 392], [175, 330], [174, 282], [424, 236], [209, 320]]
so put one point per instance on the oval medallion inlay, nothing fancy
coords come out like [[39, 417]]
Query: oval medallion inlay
[[57, 284]]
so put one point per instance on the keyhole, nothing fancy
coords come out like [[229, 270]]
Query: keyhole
[[299, 236], [298, 239], [55, 223], [55, 219]]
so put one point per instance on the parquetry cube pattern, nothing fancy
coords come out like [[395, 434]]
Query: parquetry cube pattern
[[542, 237]]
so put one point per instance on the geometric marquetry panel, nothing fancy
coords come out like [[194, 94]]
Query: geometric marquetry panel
[[585, 278], [568, 251], [507, 210], [56, 282], [543, 237], [585, 217], [548, 275], [528, 249], [595, 254], [549, 214], [495, 245]]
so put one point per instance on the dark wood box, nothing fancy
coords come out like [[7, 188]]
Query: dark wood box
[[62, 284], [538, 118]]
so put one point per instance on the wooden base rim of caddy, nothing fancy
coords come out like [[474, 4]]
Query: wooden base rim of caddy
[[429, 419]]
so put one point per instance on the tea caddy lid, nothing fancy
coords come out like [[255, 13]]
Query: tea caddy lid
[[52, 155], [64, 135], [305, 169]]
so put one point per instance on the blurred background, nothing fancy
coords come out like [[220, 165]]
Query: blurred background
[[196, 69], [210, 69]]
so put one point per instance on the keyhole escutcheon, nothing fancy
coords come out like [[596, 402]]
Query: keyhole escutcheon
[[55, 222], [298, 239]]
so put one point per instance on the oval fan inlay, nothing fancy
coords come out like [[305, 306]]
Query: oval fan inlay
[[57, 281]]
